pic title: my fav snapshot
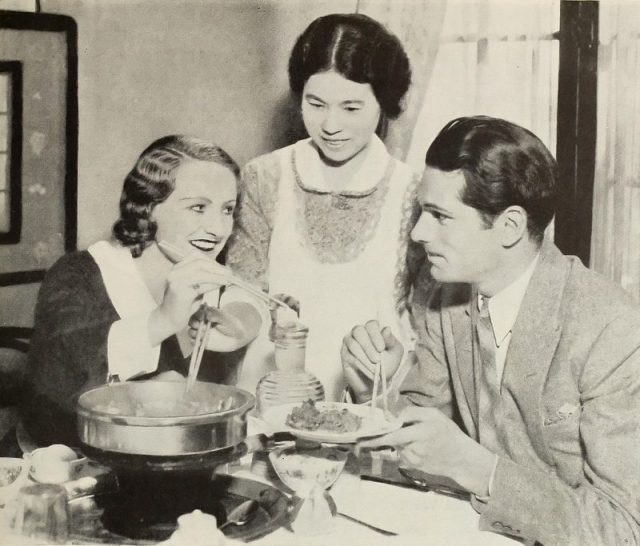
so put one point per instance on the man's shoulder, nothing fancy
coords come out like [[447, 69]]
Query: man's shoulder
[[590, 296]]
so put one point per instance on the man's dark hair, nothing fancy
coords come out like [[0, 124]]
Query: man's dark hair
[[503, 165]]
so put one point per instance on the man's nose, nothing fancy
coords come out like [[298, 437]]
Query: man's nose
[[421, 232]]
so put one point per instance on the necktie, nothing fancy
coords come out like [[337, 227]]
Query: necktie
[[486, 338], [488, 388]]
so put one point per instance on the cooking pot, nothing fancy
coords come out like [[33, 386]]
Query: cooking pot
[[117, 428]]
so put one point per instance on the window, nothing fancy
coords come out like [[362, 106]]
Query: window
[[10, 151]]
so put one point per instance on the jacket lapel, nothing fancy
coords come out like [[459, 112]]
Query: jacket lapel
[[460, 353], [535, 337]]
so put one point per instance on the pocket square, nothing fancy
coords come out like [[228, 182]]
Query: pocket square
[[564, 412]]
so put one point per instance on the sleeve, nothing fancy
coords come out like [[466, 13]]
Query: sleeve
[[603, 506], [69, 348], [248, 248], [428, 381]]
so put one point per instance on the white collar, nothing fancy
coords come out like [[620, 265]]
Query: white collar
[[505, 305], [370, 172], [125, 286]]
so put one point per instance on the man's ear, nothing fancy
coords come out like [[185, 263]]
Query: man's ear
[[511, 225]]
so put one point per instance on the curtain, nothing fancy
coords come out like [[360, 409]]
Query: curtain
[[493, 57], [615, 242], [418, 25]]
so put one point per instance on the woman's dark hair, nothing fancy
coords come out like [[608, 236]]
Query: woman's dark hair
[[503, 165], [358, 48], [152, 180]]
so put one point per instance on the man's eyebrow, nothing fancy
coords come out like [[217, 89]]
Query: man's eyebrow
[[431, 206]]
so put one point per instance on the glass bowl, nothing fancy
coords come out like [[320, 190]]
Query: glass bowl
[[309, 472], [302, 469]]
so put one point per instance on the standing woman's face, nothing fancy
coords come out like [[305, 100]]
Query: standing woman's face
[[340, 115], [198, 214]]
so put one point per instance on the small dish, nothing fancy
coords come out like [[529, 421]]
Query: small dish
[[374, 423], [56, 463], [13, 475]]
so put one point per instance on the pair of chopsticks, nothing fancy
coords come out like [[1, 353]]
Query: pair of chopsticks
[[379, 376], [199, 346], [177, 254]]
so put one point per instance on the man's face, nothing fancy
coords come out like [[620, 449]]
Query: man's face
[[458, 244]]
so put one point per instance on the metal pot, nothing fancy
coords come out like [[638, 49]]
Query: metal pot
[[110, 429]]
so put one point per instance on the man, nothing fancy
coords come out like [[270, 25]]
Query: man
[[536, 356]]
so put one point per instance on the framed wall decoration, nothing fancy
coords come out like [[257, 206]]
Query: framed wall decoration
[[38, 143]]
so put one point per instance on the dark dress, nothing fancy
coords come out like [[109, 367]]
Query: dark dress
[[69, 349]]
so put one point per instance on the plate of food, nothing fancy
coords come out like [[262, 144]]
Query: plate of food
[[330, 422]]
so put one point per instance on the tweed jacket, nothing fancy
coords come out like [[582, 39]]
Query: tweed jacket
[[573, 374]]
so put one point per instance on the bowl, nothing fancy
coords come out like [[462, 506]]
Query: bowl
[[56, 463], [156, 418], [301, 469], [13, 475]]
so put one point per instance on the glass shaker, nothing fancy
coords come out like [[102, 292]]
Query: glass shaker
[[289, 382]]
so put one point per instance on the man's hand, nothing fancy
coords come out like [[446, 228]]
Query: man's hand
[[434, 444], [362, 350]]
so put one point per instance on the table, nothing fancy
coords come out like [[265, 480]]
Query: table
[[420, 518]]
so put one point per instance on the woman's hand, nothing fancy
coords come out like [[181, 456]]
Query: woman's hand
[[233, 326], [187, 282], [363, 349]]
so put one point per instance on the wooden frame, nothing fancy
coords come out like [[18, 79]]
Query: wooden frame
[[65, 27], [14, 70], [577, 124]]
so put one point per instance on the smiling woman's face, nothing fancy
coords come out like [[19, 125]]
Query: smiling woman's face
[[340, 115], [198, 214]]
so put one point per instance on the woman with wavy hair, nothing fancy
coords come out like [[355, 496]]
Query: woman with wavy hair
[[327, 219], [121, 309]]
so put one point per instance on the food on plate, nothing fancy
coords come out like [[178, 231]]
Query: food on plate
[[309, 417], [9, 475], [13, 474], [178, 407]]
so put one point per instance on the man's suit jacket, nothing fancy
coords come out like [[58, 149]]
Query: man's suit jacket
[[573, 373]]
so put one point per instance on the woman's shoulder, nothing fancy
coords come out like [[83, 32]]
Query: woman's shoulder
[[73, 267], [263, 173]]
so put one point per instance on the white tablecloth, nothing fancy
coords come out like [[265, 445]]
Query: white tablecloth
[[420, 518]]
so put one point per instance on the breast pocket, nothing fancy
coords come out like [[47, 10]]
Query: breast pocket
[[562, 435]]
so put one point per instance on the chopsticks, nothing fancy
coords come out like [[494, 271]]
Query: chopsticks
[[379, 376], [178, 254], [199, 346]]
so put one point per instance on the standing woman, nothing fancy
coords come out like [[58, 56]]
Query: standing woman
[[326, 220], [121, 309]]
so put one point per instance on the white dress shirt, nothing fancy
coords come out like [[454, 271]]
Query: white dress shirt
[[503, 311]]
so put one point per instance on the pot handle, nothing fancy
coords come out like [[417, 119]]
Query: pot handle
[[260, 442]]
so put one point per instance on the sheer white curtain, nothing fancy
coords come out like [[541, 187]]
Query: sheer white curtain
[[494, 57], [615, 242], [418, 25]]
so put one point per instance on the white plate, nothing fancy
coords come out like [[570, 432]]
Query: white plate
[[372, 424]]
